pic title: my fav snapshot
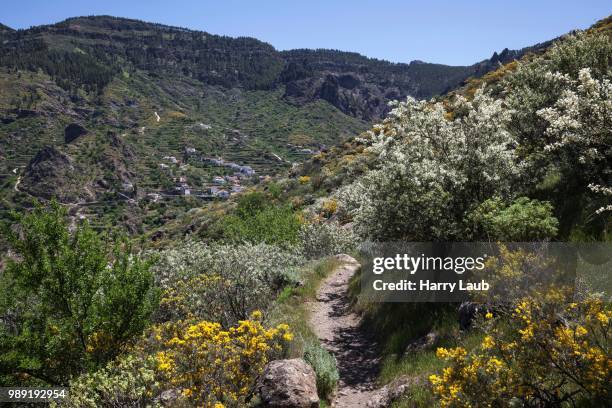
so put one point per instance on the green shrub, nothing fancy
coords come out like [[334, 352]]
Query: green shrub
[[68, 301], [521, 220], [324, 365], [256, 220]]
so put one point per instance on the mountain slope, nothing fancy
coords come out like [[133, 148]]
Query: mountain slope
[[90, 51], [140, 96]]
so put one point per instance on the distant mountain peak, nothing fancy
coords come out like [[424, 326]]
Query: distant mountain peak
[[4, 28], [111, 22]]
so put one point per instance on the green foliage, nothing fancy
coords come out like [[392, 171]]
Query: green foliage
[[257, 220], [521, 220], [250, 204], [69, 300], [161, 49], [324, 365], [126, 381], [325, 239]]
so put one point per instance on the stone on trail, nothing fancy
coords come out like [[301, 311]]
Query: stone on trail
[[288, 383]]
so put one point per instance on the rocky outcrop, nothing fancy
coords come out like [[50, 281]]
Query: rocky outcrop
[[73, 131], [169, 398], [387, 395], [52, 174], [288, 383], [426, 342], [47, 161], [350, 93]]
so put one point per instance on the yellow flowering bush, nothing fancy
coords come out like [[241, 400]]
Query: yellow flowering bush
[[211, 365], [329, 207], [514, 272], [548, 353], [191, 297], [304, 179]]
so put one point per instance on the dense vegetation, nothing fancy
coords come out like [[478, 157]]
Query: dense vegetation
[[523, 156], [526, 158], [69, 301], [120, 325], [236, 98]]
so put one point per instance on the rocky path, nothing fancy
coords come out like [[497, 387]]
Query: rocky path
[[338, 329], [17, 183]]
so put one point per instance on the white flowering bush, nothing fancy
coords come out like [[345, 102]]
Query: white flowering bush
[[126, 382], [604, 191], [222, 283], [561, 118], [532, 87], [189, 259], [578, 129], [432, 169], [561, 107], [548, 132], [323, 239]]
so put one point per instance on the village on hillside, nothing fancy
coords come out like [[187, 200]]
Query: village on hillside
[[220, 186]]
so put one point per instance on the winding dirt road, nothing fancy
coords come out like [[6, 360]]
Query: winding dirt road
[[338, 328]]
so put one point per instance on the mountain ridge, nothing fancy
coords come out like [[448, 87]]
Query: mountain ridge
[[163, 90], [412, 79]]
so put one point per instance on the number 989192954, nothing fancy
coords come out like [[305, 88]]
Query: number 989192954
[[31, 394]]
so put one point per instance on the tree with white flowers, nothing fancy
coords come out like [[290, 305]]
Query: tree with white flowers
[[433, 168]]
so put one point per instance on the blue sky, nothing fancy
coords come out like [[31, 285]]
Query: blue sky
[[450, 32]]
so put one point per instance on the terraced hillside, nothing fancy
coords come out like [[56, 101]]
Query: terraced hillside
[[126, 114]]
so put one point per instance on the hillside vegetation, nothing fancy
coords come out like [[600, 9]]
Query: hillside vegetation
[[118, 98], [522, 155]]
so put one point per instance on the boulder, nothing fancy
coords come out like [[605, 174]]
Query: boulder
[[288, 383], [73, 131], [387, 395], [169, 398], [424, 343]]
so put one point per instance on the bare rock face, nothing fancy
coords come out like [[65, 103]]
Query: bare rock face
[[73, 131], [288, 383]]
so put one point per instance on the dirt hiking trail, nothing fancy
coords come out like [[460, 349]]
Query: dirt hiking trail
[[338, 329]]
